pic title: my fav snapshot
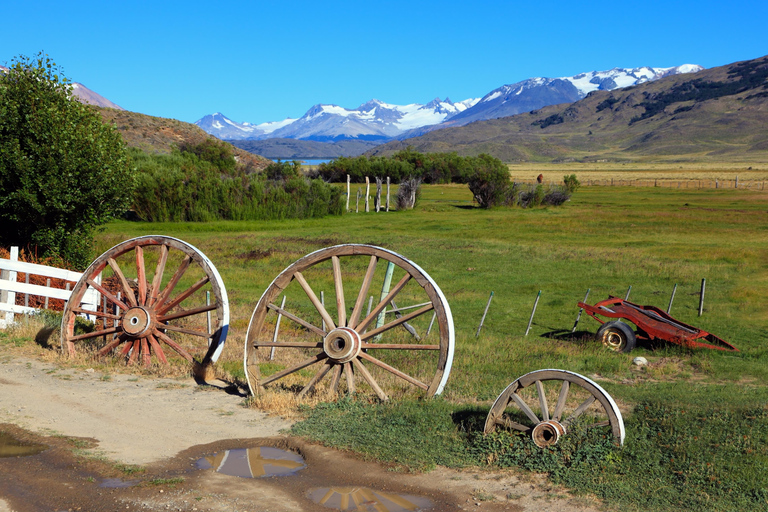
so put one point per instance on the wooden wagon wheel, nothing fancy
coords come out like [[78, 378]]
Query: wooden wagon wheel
[[387, 343], [573, 396], [151, 291]]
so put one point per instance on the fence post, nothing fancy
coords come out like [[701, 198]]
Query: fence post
[[628, 290], [669, 308], [701, 297], [387, 193], [6, 296], [384, 292], [578, 317], [367, 193], [277, 328], [484, 313], [347, 192], [530, 321]]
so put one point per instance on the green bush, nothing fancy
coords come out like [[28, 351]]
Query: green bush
[[488, 181], [571, 182], [63, 172]]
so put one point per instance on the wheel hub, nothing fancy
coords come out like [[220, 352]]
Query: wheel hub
[[547, 433], [137, 321], [613, 340], [342, 344]]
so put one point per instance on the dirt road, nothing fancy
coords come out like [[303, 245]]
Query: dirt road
[[164, 426]]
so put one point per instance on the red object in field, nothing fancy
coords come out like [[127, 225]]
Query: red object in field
[[651, 322]]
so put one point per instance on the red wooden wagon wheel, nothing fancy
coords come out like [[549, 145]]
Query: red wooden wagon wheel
[[154, 292], [388, 326], [544, 403]]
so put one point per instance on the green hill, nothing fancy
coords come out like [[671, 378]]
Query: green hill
[[719, 114], [161, 135]]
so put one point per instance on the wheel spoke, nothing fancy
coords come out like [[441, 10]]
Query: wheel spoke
[[158, 349], [335, 379], [315, 301], [127, 290], [142, 275], [158, 277], [394, 371], [94, 334], [579, 410], [135, 351], [508, 423], [524, 407], [312, 360], [298, 320], [542, 400], [111, 345], [363, 292], [349, 373], [381, 305], [96, 313], [398, 346], [341, 305], [126, 349], [398, 321], [175, 302], [146, 356], [289, 344], [187, 312], [184, 330], [107, 294], [315, 379], [370, 380], [175, 279], [561, 399], [175, 346]]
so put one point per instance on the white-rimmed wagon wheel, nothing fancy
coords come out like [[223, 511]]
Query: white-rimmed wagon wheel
[[545, 403], [386, 328], [157, 297]]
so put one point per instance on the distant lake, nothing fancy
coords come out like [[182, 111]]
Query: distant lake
[[307, 162]]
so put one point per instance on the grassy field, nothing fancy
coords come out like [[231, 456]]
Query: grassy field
[[696, 421]]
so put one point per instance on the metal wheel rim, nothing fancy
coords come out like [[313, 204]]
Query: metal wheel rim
[[497, 419], [256, 337], [614, 339], [150, 339]]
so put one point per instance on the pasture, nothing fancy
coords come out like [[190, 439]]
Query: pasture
[[697, 421]]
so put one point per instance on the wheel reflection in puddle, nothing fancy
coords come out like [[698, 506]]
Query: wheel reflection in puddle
[[367, 500], [256, 462], [11, 447]]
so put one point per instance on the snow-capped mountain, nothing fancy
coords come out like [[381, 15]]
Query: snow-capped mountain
[[85, 95], [224, 128], [536, 93], [376, 120], [372, 120]]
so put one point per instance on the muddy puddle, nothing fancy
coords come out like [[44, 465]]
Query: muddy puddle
[[12, 447], [268, 474]]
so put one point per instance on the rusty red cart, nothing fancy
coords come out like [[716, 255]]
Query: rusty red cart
[[651, 322]]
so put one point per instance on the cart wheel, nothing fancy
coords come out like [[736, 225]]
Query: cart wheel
[[574, 396], [139, 310], [384, 344], [617, 336]]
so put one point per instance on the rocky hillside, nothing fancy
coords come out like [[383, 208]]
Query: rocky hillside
[[160, 135], [715, 114]]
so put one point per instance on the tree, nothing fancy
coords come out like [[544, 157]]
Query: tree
[[63, 172], [488, 180]]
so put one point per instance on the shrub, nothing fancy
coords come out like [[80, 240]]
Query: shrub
[[571, 183], [408, 193], [63, 172], [488, 181]]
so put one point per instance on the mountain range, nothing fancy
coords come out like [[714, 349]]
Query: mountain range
[[713, 115], [378, 122]]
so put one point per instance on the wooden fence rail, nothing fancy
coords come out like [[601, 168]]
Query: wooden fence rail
[[9, 286]]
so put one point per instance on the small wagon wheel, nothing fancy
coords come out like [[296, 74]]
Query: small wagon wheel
[[573, 397], [146, 293], [386, 343]]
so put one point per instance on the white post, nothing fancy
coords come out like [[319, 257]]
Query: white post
[[6, 296], [367, 193], [347, 192], [387, 193]]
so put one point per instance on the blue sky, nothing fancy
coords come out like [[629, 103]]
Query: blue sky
[[264, 61]]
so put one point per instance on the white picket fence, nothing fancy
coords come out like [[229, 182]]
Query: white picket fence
[[9, 287]]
